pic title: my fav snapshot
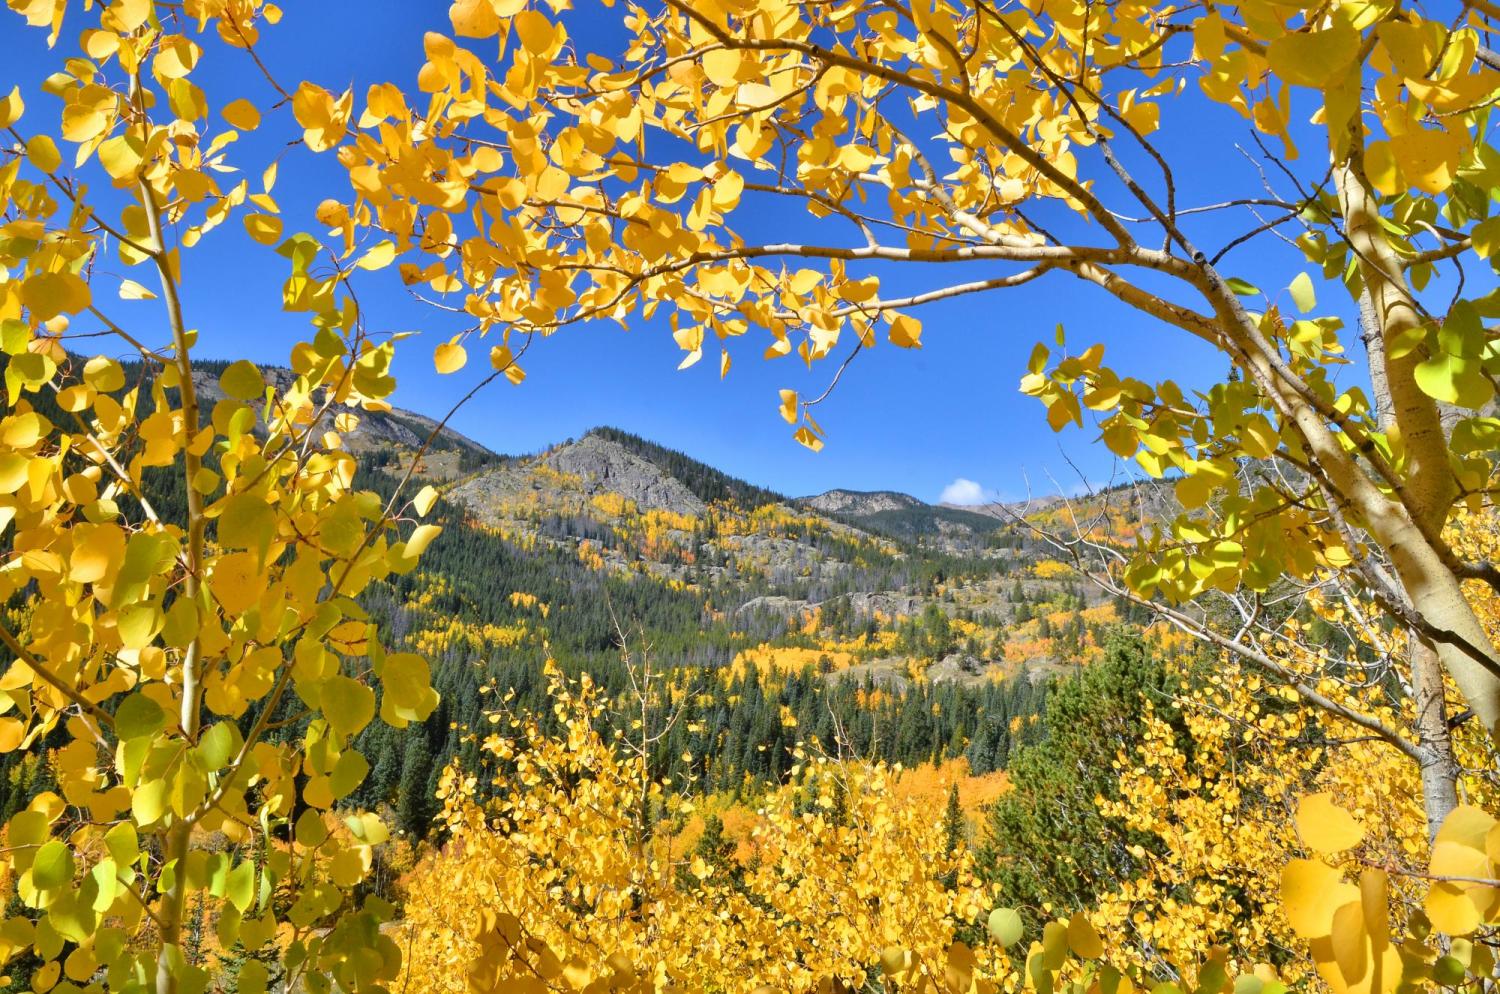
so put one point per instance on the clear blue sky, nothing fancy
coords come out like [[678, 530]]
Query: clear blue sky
[[912, 421]]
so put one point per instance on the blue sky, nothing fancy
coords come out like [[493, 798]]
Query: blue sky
[[912, 421]]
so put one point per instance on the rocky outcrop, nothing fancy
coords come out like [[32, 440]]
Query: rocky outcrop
[[859, 502], [603, 466]]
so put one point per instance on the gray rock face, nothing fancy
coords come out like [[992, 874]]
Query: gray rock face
[[606, 466], [858, 502]]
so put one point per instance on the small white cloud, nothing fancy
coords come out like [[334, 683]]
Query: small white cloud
[[962, 491]]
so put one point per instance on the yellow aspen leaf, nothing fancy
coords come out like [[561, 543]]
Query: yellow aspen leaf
[[406, 682], [789, 406], [241, 114], [722, 65], [323, 117], [1314, 58], [449, 357], [47, 295], [1326, 827], [1461, 850], [121, 157], [263, 228], [1303, 294], [378, 256], [347, 704], [474, 18], [1311, 891], [11, 107], [807, 438], [1082, 938], [423, 501], [131, 290], [42, 152], [724, 363], [906, 332], [242, 381], [537, 34]]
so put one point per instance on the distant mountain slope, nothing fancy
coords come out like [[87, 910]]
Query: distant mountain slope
[[902, 516], [708, 483]]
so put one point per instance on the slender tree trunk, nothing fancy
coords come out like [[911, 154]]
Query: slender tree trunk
[[1438, 764]]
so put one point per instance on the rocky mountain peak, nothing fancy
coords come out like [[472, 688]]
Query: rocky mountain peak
[[607, 466], [858, 502]]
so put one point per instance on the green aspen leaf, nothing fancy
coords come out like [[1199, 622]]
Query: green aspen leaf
[[27, 828], [253, 977], [138, 716], [148, 801], [246, 521], [242, 381], [347, 704], [1453, 371], [239, 887], [348, 773], [1005, 926], [218, 745], [53, 866], [407, 682], [1486, 237], [1303, 294], [1240, 287], [311, 829], [1454, 379], [123, 844]]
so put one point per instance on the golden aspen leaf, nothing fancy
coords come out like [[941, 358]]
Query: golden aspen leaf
[[347, 704], [1314, 58], [1082, 938], [721, 65], [131, 290], [1311, 891], [242, 381], [11, 107], [176, 57], [537, 34], [324, 118], [1461, 849], [241, 114], [45, 977], [449, 357], [423, 501], [789, 406], [121, 157], [421, 538], [724, 363], [104, 374], [805, 436], [12, 732], [263, 228], [42, 153], [127, 15], [47, 295], [474, 18], [406, 682], [378, 257], [906, 332], [1326, 827]]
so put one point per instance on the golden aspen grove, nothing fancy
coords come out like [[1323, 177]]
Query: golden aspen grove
[[305, 692]]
